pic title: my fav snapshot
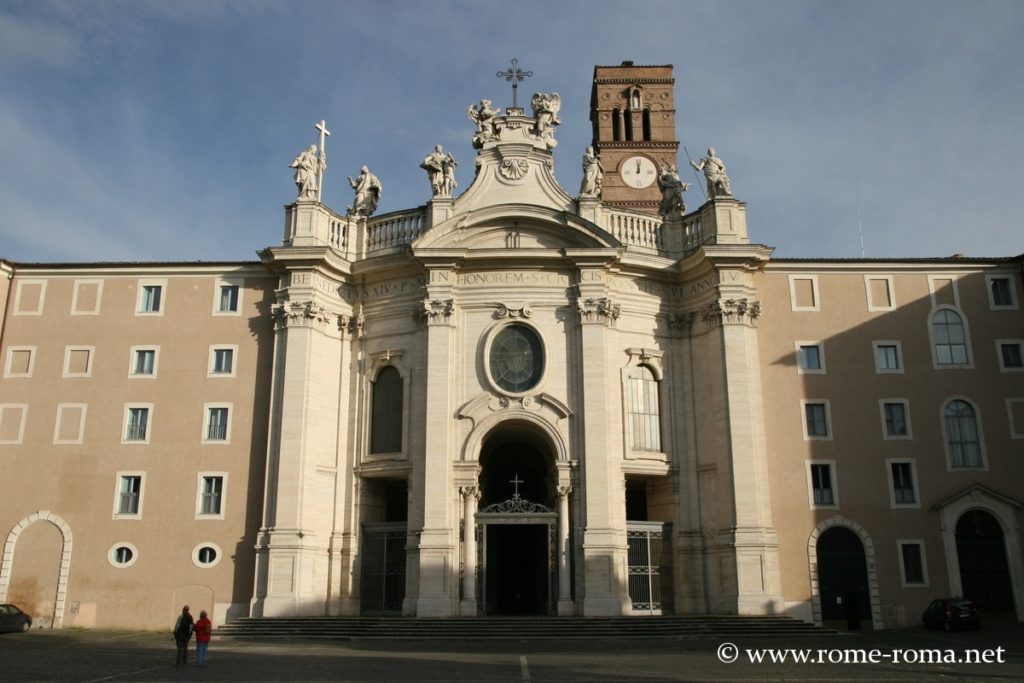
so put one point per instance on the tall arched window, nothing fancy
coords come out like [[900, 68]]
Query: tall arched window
[[616, 125], [644, 417], [949, 338], [629, 125], [962, 438], [386, 415], [647, 125]]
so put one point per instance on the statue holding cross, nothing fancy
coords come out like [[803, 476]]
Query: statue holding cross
[[310, 166]]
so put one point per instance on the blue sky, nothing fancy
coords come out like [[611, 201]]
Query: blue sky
[[163, 130]]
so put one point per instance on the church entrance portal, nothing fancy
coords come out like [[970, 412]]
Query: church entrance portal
[[517, 526]]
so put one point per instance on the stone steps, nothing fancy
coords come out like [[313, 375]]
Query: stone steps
[[514, 628]]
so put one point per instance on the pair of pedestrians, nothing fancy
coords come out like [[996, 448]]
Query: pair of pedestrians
[[184, 627]]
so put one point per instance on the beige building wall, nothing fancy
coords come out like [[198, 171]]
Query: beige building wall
[[64, 425], [846, 308]]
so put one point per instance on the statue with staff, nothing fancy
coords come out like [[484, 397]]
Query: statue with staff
[[714, 173], [309, 167]]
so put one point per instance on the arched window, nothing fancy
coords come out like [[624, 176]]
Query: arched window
[[949, 338], [386, 415], [962, 438], [647, 125], [629, 126], [644, 418], [616, 125]]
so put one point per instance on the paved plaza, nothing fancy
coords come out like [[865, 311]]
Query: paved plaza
[[73, 655]]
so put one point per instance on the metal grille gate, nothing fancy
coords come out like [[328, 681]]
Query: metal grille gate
[[645, 540], [382, 585]]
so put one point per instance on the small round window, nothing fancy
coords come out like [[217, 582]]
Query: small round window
[[516, 358], [122, 555], [206, 555]]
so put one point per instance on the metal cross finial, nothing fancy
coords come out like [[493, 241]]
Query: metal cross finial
[[516, 481], [515, 74], [322, 127]]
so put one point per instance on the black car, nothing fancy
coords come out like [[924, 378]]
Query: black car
[[13, 619], [951, 614]]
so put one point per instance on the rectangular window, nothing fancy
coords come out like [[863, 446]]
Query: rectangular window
[[944, 290], [645, 423], [816, 420], [228, 299], [143, 362], [1001, 292], [217, 424], [129, 495], [1015, 416], [1010, 357], [810, 357], [137, 424], [903, 482], [20, 360], [86, 297], [896, 419], [223, 361], [823, 492], [888, 357], [210, 497], [151, 297], [912, 563]]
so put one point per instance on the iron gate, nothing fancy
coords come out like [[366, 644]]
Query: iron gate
[[646, 548], [382, 584]]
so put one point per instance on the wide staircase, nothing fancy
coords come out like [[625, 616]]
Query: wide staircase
[[515, 628]]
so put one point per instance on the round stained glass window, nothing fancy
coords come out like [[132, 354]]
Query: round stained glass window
[[516, 359]]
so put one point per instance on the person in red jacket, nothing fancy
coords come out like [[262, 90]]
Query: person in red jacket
[[203, 628]]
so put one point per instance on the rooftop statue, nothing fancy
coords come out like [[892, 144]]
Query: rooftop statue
[[672, 189], [545, 113], [440, 168], [593, 174], [368, 189], [483, 116], [714, 172], [308, 166]]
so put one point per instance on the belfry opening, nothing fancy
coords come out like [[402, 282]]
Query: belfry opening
[[516, 522]]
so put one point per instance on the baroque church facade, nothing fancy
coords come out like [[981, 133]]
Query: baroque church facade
[[516, 400]]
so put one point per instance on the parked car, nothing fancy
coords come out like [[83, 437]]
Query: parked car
[[13, 619], [951, 614]]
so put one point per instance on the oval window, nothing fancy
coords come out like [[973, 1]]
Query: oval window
[[122, 555], [516, 358], [205, 555]]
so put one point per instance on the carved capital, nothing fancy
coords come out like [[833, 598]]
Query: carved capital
[[563, 490], [470, 492], [732, 312], [598, 311], [352, 324], [302, 314], [436, 311]]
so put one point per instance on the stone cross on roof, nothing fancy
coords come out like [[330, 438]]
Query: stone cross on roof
[[515, 74]]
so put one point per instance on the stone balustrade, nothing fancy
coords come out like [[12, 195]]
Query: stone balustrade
[[636, 229], [394, 229]]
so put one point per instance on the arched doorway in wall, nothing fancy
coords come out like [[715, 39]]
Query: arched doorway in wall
[[984, 570], [517, 523], [843, 579]]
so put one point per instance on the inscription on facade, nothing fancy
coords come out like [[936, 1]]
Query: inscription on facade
[[380, 289]]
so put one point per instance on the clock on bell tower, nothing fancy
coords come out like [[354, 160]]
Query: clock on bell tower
[[632, 110]]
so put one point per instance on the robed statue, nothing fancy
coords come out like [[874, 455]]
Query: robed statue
[[308, 166], [440, 168], [714, 173], [368, 189]]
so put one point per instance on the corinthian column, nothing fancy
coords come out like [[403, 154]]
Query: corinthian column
[[565, 606], [470, 496]]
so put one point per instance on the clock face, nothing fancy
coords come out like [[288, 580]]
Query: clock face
[[638, 172]]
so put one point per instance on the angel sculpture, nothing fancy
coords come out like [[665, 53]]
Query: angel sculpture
[[545, 113], [483, 116]]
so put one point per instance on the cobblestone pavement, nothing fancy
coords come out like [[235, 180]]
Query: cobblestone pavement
[[117, 656]]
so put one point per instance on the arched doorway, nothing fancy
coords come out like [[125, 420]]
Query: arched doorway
[[517, 523], [843, 579], [984, 570]]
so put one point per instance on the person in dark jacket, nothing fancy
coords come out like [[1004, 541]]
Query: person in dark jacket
[[183, 628]]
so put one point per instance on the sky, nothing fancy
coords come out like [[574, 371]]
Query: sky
[[162, 131]]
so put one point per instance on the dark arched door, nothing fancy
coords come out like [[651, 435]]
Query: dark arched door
[[843, 578], [984, 571]]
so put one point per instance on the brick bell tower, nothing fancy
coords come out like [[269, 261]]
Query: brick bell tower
[[633, 113]]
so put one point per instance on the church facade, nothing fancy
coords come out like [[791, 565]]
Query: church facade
[[516, 400]]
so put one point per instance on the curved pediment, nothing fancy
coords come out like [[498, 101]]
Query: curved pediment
[[515, 226]]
